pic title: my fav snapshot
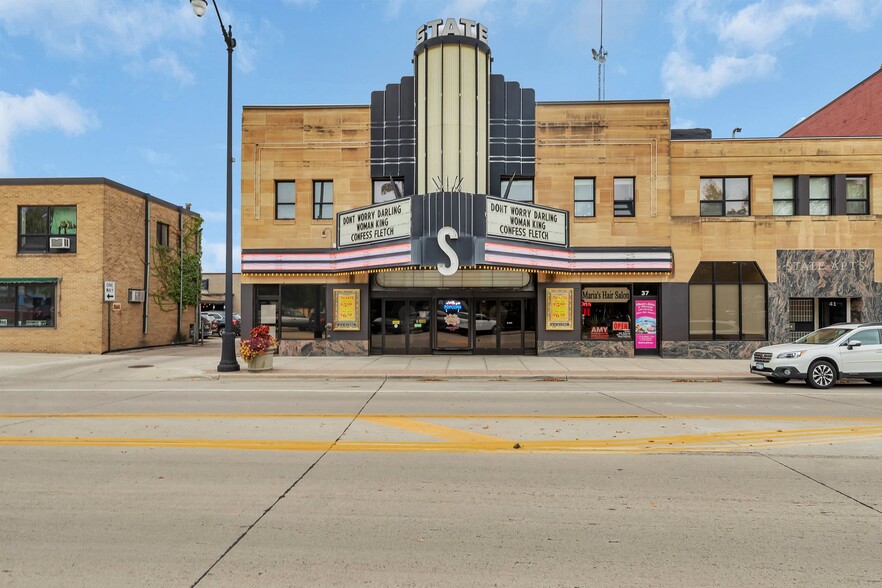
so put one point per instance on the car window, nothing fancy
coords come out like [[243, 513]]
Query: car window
[[823, 336], [868, 337]]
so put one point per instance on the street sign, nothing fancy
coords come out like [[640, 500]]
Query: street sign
[[109, 291]]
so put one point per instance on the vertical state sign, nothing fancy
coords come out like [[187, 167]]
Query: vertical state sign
[[372, 224]]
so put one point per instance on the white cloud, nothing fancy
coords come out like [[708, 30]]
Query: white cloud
[[37, 112], [170, 65], [91, 29], [214, 257], [741, 46], [683, 77]]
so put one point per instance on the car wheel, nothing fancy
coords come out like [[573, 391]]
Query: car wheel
[[821, 375], [875, 381], [777, 380], [221, 331]]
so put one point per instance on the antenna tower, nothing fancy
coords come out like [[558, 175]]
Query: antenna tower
[[600, 57]]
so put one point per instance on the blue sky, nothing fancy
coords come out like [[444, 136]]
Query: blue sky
[[135, 90]]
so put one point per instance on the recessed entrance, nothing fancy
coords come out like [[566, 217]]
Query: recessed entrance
[[457, 323]]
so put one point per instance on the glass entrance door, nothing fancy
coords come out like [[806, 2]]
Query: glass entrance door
[[401, 326], [832, 311], [452, 325]]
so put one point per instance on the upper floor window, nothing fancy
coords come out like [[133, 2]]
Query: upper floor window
[[583, 200], [285, 200], [784, 196], [521, 190], [47, 229], [384, 190], [623, 197], [857, 194], [820, 196], [162, 234], [322, 199], [725, 196]]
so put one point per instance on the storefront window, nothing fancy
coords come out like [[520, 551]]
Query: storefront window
[[727, 301], [606, 312], [27, 305], [302, 311]]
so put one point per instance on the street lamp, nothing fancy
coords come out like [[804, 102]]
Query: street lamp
[[228, 361]]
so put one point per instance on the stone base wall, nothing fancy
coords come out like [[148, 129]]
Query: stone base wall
[[710, 349], [586, 348], [322, 348]]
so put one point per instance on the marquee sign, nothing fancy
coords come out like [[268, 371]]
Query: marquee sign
[[526, 222], [373, 224], [442, 27]]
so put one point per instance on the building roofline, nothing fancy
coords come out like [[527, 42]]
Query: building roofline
[[834, 101], [302, 106], [94, 181], [745, 139], [599, 102]]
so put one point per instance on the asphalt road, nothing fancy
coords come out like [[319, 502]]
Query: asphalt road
[[425, 483]]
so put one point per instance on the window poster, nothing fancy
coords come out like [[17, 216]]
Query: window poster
[[559, 309], [346, 310], [645, 315]]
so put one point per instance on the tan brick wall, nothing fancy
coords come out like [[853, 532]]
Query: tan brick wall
[[304, 145], [110, 233], [600, 140], [759, 236]]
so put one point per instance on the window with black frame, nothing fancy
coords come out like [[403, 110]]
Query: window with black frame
[[162, 238], [285, 203], [47, 229], [727, 301], [857, 194], [519, 189], [820, 196], [725, 196], [385, 190], [323, 199], [27, 304], [623, 197], [583, 197], [784, 196]]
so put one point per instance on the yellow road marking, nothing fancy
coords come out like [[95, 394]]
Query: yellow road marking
[[433, 430], [536, 417], [476, 443]]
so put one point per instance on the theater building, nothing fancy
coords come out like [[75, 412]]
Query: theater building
[[456, 213]]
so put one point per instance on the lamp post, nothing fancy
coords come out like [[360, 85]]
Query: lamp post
[[228, 361]]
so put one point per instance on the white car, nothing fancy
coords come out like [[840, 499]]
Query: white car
[[842, 351]]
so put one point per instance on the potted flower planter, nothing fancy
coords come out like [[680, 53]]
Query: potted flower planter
[[262, 362]]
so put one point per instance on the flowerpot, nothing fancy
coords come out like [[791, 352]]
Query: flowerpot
[[263, 362]]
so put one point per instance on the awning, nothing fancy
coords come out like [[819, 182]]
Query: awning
[[29, 280]]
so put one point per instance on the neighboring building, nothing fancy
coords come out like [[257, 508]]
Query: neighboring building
[[214, 292], [72, 245], [456, 214], [856, 113]]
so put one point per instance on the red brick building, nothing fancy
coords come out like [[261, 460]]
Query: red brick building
[[856, 113]]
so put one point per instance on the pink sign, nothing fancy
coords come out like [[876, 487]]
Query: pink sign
[[645, 324]]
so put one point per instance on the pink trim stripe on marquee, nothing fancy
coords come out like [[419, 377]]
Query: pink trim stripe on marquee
[[535, 257]]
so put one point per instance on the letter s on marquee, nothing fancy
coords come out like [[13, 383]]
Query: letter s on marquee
[[443, 269]]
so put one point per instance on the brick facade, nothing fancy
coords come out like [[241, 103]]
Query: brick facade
[[111, 230]]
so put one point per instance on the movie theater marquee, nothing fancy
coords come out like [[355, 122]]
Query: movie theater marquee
[[526, 222]]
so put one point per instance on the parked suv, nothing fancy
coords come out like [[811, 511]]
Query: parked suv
[[842, 351]]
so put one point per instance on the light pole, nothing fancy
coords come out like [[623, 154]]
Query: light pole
[[228, 361]]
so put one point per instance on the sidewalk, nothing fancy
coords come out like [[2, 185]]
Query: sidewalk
[[200, 361]]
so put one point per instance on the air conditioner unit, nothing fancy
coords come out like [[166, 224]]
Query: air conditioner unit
[[137, 295], [59, 243]]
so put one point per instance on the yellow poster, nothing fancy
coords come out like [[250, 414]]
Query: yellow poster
[[559, 309], [346, 310]]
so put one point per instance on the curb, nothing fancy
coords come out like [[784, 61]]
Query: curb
[[429, 377]]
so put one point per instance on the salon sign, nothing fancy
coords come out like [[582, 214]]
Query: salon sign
[[606, 294]]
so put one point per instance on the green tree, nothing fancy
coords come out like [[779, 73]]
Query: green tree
[[166, 267]]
